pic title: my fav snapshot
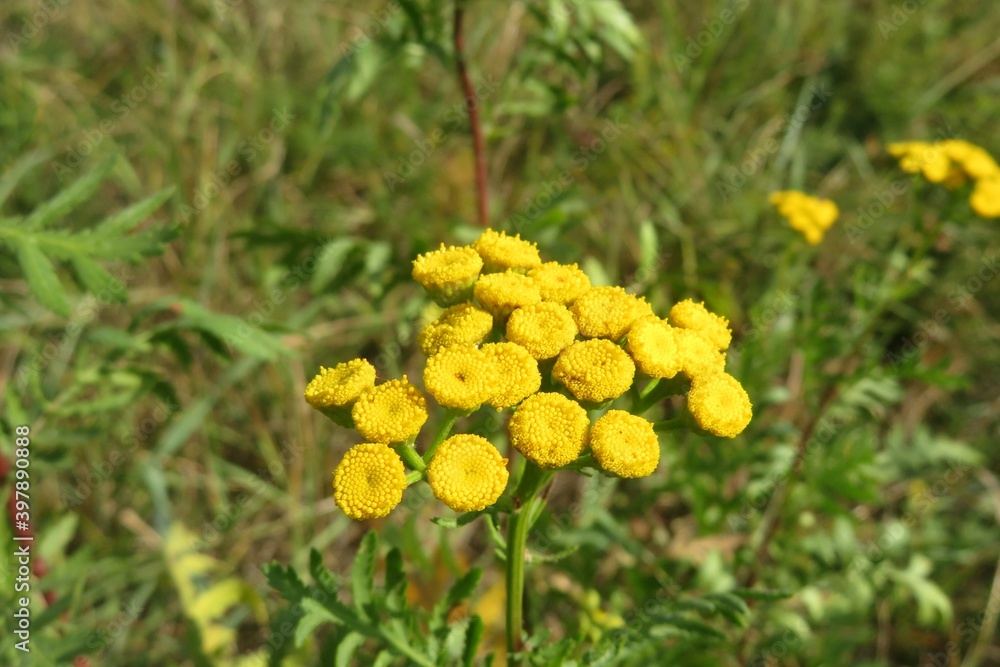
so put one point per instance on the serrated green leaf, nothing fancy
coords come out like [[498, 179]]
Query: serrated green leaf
[[21, 166], [286, 581], [42, 278], [363, 573], [473, 637], [322, 576], [126, 219], [458, 521], [307, 626], [97, 280], [346, 648], [459, 592], [383, 659], [69, 198], [394, 574], [730, 606], [690, 626]]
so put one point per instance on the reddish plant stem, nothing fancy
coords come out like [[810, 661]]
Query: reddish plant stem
[[472, 104]]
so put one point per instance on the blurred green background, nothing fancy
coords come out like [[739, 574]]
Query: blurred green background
[[316, 148]]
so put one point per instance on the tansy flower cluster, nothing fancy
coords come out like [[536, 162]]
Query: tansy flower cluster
[[577, 366], [954, 162], [806, 214]]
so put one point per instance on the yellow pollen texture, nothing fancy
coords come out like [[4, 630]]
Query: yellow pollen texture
[[460, 377], [690, 315], [501, 293], [720, 405], [515, 374], [464, 324], [340, 385], [543, 329], [653, 346], [560, 283], [549, 429], [391, 412], [467, 473], [594, 370], [625, 444], [369, 481], [501, 252], [608, 312]]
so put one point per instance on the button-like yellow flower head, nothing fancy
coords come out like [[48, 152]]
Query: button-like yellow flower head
[[720, 405], [501, 252], [467, 473], [690, 315], [448, 274], [805, 214], [608, 312], [653, 345], [369, 481], [464, 324], [625, 444], [560, 283], [340, 385], [594, 370], [549, 429], [460, 377], [698, 356], [985, 199], [515, 374], [543, 329], [501, 293], [391, 412]]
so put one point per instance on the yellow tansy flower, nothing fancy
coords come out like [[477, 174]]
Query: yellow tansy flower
[[369, 481], [340, 385], [448, 274], [460, 377], [719, 404], [985, 199], [806, 214], [653, 346], [698, 356], [594, 370], [501, 252], [549, 429], [690, 315], [464, 324], [543, 329], [921, 157], [391, 412], [973, 160], [501, 293], [608, 312], [467, 473], [625, 444], [560, 283], [515, 374]]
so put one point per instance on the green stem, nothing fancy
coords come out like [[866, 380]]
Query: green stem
[[450, 417], [651, 395], [518, 525], [408, 453]]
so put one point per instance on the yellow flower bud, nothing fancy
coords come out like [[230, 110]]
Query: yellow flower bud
[[448, 274], [560, 283], [653, 345], [391, 412], [515, 374], [460, 377], [467, 473], [341, 385], [608, 312], [501, 293], [369, 481], [549, 429], [594, 370], [625, 444], [501, 252], [464, 324], [690, 315], [543, 329], [720, 405]]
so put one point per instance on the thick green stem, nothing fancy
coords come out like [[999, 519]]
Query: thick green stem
[[518, 525], [656, 391], [408, 453], [450, 417]]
